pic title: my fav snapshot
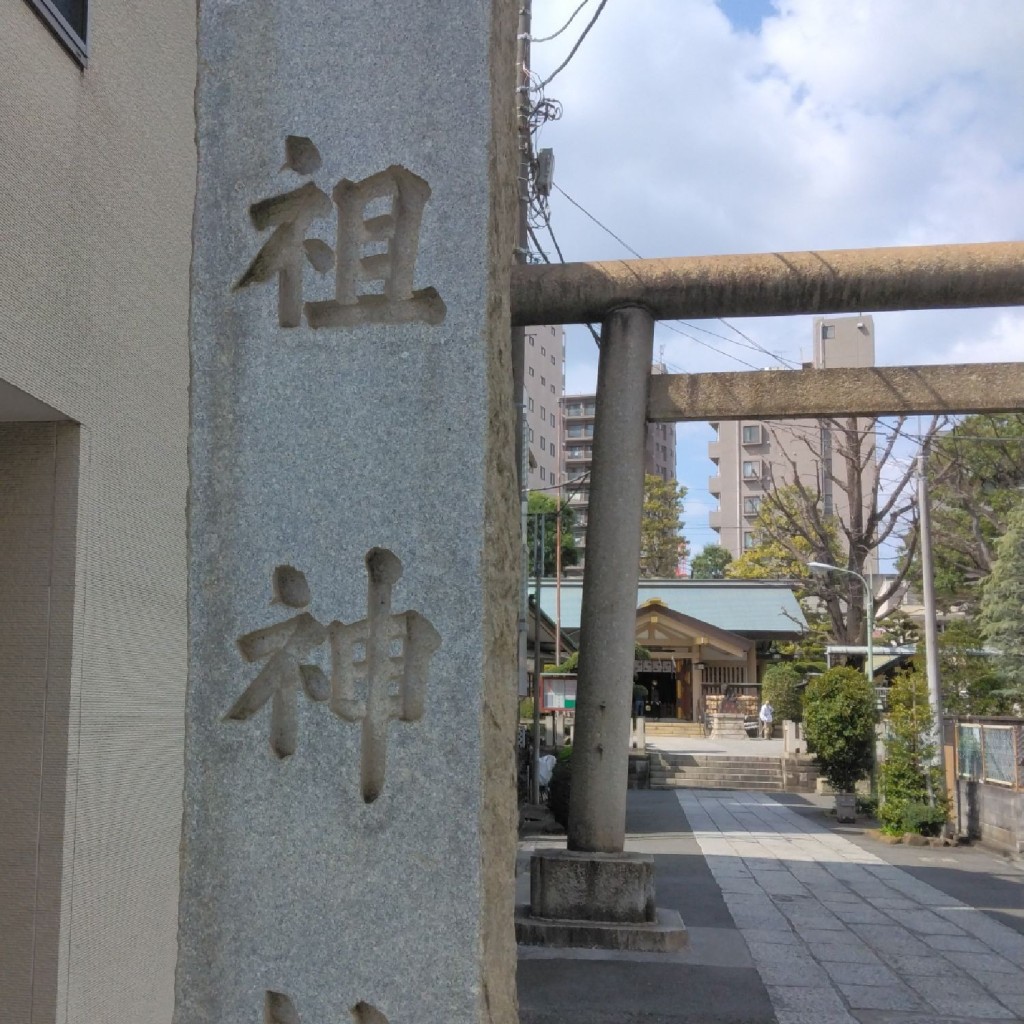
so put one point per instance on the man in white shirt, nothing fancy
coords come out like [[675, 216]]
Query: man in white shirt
[[765, 716]]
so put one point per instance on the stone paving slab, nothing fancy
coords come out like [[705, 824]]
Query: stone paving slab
[[838, 935]]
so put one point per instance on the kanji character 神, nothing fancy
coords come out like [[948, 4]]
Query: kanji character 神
[[397, 651], [283, 647]]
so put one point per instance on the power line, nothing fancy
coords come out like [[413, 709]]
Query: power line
[[555, 35], [603, 227], [751, 343], [579, 43]]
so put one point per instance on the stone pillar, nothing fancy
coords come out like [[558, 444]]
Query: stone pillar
[[349, 823], [595, 881], [597, 810]]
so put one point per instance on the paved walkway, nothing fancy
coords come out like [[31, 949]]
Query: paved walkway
[[792, 922], [840, 936]]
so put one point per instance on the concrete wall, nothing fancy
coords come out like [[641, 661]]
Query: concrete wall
[[96, 190], [993, 814]]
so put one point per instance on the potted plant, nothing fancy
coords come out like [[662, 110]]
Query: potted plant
[[839, 722]]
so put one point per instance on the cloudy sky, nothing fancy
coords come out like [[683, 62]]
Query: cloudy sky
[[696, 126]]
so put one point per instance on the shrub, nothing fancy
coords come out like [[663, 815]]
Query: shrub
[[913, 795], [867, 805], [839, 721], [924, 819], [781, 688], [526, 709]]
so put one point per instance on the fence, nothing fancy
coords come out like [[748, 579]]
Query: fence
[[991, 750]]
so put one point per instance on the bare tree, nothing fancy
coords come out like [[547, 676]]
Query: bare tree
[[852, 457]]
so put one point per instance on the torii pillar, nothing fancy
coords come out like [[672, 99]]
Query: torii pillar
[[594, 893]]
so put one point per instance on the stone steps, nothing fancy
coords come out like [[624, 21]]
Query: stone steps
[[709, 771], [761, 787], [685, 730], [752, 774]]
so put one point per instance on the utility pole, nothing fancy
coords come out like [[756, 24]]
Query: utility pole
[[539, 539], [519, 333], [931, 629]]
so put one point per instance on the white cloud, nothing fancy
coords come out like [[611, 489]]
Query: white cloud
[[840, 124]]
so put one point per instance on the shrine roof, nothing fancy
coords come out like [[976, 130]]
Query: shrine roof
[[757, 610]]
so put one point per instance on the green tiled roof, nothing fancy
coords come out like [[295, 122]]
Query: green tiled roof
[[757, 610]]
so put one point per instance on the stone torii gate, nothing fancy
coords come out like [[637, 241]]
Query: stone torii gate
[[627, 297]]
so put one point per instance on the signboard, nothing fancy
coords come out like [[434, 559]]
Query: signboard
[[664, 665], [557, 693]]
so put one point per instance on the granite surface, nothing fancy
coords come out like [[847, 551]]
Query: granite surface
[[348, 848]]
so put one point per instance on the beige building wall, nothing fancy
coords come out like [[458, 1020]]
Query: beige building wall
[[578, 417], [96, 189], [38, 507], [545, 384], [752, 457]]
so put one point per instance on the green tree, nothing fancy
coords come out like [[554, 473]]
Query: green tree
[[911, 783], [1002, 603], [781, 688], [540, 504], [710, 564], [971, 685], [839, 722], [662, 546], [975, 475]]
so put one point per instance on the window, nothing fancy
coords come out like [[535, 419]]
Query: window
[[751, 470], [552, 389], [543, 443], [532, 340], [552, 447], [751, 505], [748, 540], [752, 434], [543, 473], [67, 20], [531, 433], [828, 331], [532, 374], [553, 361], [552, 419], [543, 413], [543, 351], [531, 405], [542, 382]]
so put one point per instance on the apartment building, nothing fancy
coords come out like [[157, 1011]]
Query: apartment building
[[545, 384], [578, 413], [752, 457], [96, 197]]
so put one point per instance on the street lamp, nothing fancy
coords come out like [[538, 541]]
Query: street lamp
[[822, 569]]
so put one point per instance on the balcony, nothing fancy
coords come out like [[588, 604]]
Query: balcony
[[715, 484], [715, 451], [715, 519]]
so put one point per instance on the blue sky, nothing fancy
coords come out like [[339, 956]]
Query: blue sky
[[696, 126]]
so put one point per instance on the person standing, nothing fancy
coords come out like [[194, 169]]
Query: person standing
[[765, 715]]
